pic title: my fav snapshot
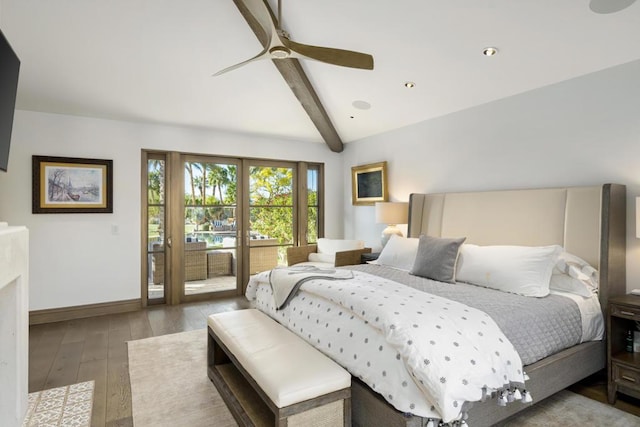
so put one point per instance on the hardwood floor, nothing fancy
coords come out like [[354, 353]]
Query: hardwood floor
[[595, 387], [64, 353], [95, 348]]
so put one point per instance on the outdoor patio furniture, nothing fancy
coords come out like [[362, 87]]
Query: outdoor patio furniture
[[195, 262], [262, 256], [219, 263]]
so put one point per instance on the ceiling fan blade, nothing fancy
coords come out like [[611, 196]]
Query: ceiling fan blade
[[344, 58], [262, 15], [262, 55]]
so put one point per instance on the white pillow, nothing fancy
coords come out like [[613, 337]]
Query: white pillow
[[331, 246], [315, 257], [523, 270], [577, 268], [565, 283], [399, 252]]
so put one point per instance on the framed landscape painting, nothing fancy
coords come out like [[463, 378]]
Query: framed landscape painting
[[72, 185], [369, 184]]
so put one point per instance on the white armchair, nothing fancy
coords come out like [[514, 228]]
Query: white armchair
[[329, 252]]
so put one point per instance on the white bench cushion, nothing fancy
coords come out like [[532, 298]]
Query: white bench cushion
[[286, 368]]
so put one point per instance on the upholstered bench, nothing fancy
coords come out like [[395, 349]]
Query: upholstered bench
[[267, 375]]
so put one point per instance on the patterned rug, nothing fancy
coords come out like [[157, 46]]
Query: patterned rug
[[68, 406]]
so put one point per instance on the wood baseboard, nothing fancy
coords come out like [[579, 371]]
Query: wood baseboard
[[51, 315]]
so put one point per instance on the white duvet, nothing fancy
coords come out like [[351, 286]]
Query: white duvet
[[426, 355]]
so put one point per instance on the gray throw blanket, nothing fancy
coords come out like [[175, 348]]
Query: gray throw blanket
[[286, 281]]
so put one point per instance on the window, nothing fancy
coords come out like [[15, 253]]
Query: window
[[211, 222]]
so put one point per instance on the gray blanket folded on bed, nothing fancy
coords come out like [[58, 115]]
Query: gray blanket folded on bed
[[286, 281], [537, 327]]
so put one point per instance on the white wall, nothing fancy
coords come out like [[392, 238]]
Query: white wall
[[75, 258], [580, 132]]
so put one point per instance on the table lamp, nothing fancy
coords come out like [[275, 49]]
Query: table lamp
[[392, 214]]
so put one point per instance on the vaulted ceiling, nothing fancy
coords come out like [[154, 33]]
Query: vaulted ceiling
[[153, 60]]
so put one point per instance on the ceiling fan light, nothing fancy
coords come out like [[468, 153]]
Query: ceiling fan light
[[279, 52]]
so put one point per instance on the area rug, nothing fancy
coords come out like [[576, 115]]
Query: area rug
[[570, 409], [170, 387], [169, 383], [61, 406]]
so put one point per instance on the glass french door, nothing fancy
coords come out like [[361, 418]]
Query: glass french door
[[270, 213], [155, 220], [209, 223], [211, 227]]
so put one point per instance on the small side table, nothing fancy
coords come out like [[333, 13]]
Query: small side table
[[372, 256], [623, 367]]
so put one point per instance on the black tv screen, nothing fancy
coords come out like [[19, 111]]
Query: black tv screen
[[9, 69]]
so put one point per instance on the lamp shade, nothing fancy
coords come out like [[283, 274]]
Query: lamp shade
[[392, 213]]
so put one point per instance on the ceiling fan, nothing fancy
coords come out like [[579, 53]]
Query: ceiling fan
[[280, 46]]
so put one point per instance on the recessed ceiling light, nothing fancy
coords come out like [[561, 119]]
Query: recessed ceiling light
[[490, 51], [409, 84]]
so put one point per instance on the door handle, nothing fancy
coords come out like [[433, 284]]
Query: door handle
[[169, 242]]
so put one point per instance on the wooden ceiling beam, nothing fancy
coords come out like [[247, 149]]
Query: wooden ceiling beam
[[299, 83]]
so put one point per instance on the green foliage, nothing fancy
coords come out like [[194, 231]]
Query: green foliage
[[271, 186], [312, 224], [271, 194], [211, 187], [274, 222], [211, 192], [155, 181], [155, 194], [222, 177]]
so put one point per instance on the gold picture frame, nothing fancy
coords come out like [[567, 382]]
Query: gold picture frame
[[369, 184], [71, 185]]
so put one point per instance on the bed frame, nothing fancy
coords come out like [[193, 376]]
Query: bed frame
[[589, 222]]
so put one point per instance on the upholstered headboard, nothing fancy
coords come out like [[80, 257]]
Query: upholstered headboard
[[589, 222]]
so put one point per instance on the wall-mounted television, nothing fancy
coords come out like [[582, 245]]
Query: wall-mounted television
[[9, 69]]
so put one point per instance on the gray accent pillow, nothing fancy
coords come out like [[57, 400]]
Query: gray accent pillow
[[436, 258]]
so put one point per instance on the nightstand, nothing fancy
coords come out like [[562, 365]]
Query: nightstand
[[623, 367], [369, 257]]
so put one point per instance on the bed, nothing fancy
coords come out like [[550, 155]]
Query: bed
[[588, 222]]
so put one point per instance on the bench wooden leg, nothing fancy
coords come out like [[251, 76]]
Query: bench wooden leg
[[215, 355], [347, 411]]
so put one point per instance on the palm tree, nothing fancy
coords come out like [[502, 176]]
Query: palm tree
[[189, 166], [156, 180], [220, 176]]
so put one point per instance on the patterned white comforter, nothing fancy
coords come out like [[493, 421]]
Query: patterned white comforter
[[426, 355]]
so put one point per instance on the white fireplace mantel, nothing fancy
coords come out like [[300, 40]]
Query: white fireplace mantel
[[14, 324]]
